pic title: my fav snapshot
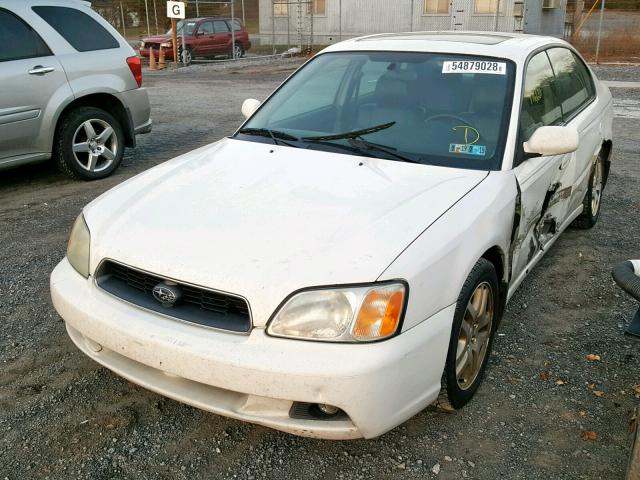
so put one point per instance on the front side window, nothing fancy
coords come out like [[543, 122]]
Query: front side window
[[81, 31], [18, 40], [486, 7], [573, 83], [540, 106], [188, 26], [220, 26], [436, 7], [280, 9], [438, 109]]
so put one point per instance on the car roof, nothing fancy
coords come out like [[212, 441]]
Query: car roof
[[214, 17], [514, 46]]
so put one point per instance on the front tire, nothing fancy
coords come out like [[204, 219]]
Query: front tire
[[475, 321], [89, 144], [188, 56], [593, 198]]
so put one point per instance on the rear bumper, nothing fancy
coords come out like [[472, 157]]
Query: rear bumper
[[138, 108], [257, 378]]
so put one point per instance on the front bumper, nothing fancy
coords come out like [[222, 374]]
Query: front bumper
[[255, 377]]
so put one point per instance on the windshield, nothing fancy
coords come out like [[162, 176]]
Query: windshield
[[438, 109], [190, 27]]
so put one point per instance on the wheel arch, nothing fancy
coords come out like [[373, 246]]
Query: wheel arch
[[497, 257], [104, 101]]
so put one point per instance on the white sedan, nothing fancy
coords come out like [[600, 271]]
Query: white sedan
[[343, 260]]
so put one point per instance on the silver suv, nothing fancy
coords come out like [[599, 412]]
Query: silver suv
[[71, 88]]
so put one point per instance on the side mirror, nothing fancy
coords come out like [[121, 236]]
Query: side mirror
[[547, 141], [250, 106]]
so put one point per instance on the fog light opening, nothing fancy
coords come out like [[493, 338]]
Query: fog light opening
[[328, 409]]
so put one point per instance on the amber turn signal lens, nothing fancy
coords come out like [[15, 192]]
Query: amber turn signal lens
[[380, 313]]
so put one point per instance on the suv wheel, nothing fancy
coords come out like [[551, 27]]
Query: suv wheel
[[188, 56], [89, 144], [239, 52]]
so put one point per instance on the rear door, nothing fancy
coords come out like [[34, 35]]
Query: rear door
[[222, 37], [30, 79], [545, 182], [204, 39], [575, 91]]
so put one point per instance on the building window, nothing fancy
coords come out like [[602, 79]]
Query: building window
[[280, 9], [485, 7], [435, 7], [318, 7]]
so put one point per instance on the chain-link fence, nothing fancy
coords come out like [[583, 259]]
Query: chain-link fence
[[275, 26], [609, 34]]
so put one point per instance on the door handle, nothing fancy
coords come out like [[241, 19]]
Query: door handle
[[40, 70]]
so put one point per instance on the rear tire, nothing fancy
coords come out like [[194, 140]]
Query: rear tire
[[474, 324], [592, 202], [89, 144]]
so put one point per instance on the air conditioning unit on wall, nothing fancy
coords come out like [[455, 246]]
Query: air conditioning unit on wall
[[550, 3]]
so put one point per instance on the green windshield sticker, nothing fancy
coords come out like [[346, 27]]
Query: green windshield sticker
[[477, 150]]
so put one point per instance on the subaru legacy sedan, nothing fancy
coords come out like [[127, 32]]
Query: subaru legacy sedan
[[344, 259]]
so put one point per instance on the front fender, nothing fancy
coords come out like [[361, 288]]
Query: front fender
[[438, 262]]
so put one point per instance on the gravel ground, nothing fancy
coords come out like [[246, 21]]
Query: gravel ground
[[63, 416]]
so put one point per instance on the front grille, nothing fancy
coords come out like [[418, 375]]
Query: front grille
[[196, 305]]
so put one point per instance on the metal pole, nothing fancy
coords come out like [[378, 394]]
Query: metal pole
[[273, 27], [244, 21], [155, 14], [412, 10], [197, 9], [146, 9], [233, 31], [184, 44], [495, 25], [311, 35], [124, 27], [340, 20], [600, 30]]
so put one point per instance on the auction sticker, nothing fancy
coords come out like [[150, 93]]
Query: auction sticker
[[478, 150], [474, 66]]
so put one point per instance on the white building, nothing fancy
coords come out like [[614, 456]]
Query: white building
[[327, 21]]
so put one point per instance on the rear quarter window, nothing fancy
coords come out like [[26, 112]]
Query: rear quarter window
[[81, 31]]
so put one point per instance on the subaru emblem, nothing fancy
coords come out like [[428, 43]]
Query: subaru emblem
[[166, 294]]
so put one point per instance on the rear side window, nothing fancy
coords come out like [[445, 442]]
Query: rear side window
[[18, 40], [206, 28], [539, 104], [573, 84], [79, 29], [220, 26], [236, 25]]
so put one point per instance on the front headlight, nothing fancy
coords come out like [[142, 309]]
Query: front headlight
[[346, 314], [78, 248], [166, 44]]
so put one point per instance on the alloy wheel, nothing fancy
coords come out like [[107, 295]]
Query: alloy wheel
[[474, 336], [95, 145], [596, 187], [237, 51]]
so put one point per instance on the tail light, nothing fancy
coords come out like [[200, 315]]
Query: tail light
[[136, 69]]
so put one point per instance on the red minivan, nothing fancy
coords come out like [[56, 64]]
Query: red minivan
[[203, 37]]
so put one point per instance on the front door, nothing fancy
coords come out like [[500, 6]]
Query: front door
[[545, 182], [30, 77], [203, 44]]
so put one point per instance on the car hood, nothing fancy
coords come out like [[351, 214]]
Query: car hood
[[263, 221]]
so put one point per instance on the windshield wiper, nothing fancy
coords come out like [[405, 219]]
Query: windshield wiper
[[275, 135], [357, 144], [352, 134], [362, 144]]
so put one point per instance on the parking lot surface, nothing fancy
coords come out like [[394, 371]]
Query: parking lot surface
[[544, 410]]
